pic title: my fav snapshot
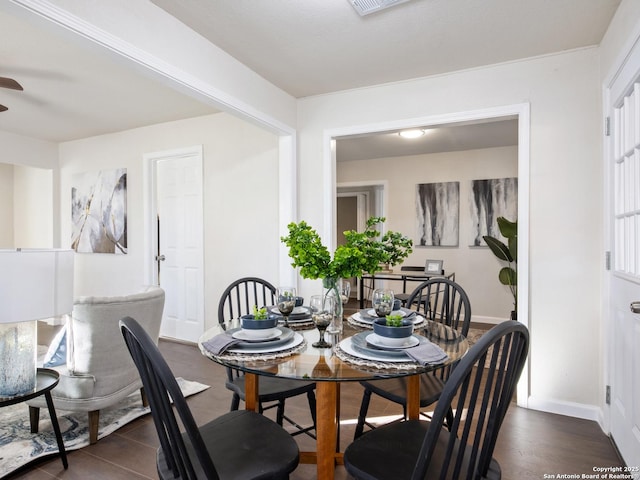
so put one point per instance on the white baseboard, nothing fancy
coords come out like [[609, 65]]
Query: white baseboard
[[570, 409]]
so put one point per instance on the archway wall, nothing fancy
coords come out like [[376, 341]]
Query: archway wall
[[561, 198]]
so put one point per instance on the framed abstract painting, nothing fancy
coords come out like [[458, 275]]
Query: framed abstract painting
[[437, 214], [99, 212], [488, 200]]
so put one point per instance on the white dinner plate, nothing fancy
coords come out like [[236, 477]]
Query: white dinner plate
[[242, 335], [347, 346], [376, 341], [266, 348]]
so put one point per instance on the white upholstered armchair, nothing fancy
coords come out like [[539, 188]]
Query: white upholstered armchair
[[99, 371]]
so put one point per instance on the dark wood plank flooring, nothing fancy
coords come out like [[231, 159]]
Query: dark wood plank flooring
[[531, 443]]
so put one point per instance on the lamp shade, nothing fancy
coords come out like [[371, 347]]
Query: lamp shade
[[34, 285]]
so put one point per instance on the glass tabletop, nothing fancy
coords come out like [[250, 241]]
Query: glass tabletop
[[305, 362]]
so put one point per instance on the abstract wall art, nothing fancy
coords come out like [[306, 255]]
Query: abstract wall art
[[488, 200], [437, 214], [99, 212]]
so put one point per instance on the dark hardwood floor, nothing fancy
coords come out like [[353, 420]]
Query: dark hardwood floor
[[531, 443]]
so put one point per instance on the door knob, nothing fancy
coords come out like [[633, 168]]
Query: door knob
[[635, 307], [160, 258]]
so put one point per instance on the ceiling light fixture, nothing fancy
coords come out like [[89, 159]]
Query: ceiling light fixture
[[413, 133]]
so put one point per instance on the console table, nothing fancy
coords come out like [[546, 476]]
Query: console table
[[403, 276]]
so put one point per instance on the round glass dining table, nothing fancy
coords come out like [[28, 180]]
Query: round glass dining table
[[329, 367]]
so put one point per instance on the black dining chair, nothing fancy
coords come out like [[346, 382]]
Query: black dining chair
[[238, 299], [236, 445], [438, 299], [479, 391]]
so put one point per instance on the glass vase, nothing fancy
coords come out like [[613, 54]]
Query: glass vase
[[332, 287]]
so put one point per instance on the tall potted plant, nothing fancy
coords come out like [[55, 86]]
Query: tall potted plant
[[508, 275], [362, 252]]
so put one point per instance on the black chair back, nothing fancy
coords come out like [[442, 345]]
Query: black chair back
[[444, 301], [240, 297], [479, 391], [161, 388]]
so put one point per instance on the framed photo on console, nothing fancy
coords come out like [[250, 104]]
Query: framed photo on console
[[433, 267]]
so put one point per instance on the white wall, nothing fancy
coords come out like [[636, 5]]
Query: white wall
[[240, 201], [565, 196], [33, 207], [476, 268], [40, 154], [26, 207], [6, 206]]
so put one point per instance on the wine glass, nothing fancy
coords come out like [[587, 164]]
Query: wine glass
[[323, 310], [286, 298], [382, 301]]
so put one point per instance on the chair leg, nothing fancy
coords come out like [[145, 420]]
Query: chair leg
[[311, 397], [280, 412], [362, 416], [34, 418], [145, 401], [94, 422], [235, 402], [448, 419]]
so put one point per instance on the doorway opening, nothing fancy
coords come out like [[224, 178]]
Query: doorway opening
[[518, 113], [174, 238], [354, 205]]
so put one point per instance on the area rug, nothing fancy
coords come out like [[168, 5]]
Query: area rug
[[18, 446]]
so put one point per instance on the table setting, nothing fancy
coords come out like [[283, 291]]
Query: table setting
[[369, 350], [261, 336]]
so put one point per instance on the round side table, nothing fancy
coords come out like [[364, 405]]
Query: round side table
[[46, 380]]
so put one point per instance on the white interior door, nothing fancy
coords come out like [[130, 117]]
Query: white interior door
[[179, 205], [624, 155]]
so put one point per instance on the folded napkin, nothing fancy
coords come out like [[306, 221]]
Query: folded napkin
[[220, 343], [427, 353]]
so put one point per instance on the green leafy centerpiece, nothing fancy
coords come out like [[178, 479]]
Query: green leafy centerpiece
[[393, 330], [394, 320], [258, 324], [362, 252]]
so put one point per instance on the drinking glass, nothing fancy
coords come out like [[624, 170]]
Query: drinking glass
[[286, 298], [382, 301], [345, 291], [323, 310]]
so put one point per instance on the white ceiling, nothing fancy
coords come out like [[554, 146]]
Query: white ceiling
[[309, 47], [74, 90]]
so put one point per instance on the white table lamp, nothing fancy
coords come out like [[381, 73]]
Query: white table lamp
[[34, 285]]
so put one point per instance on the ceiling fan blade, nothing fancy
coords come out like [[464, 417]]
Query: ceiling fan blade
[[3, 108], [10, 83]]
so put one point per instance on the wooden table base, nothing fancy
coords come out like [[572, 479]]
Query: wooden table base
[[327, 455]]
